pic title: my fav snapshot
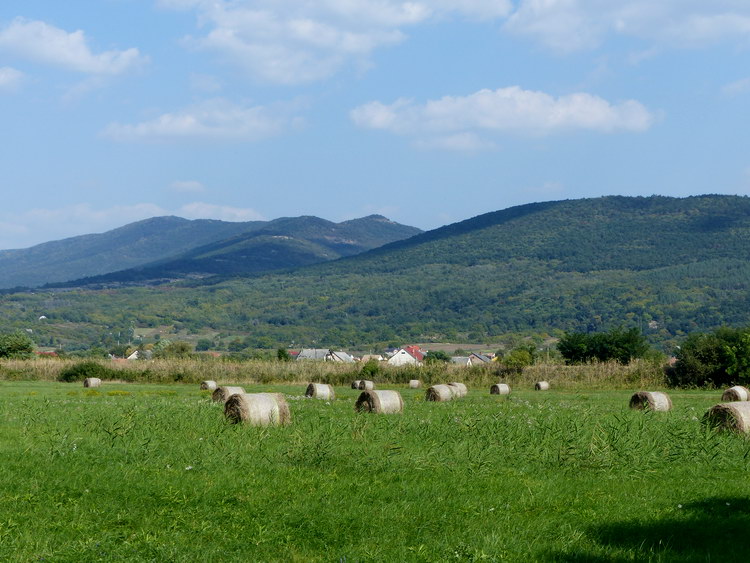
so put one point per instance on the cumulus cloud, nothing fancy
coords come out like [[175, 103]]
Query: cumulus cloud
[[214, 119], [40, 42], [10, 79], [457, 121], [289, 42], [570, 25]]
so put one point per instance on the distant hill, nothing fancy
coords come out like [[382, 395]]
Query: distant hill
[[284, 243], [118, 249], [666, 265]]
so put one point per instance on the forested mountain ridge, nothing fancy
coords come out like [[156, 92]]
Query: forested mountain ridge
[[124, 247], [172, 246], [666, 265], [285, 243]]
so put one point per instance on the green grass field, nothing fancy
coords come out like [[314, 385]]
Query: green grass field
[[134, 472]]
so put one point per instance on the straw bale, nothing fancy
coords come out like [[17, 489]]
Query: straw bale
[[733, 416], [440, 393], [381, 402], [355, 383], [366, 385], [92, 382], [459, 389], [415, 384], [651, 400], [258, 409], [208, 385], [221, 394], [736, 393], [320, 391], [500, 389], [541, 386]]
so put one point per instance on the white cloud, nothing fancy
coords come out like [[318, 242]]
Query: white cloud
[[570, 25], [42, 225], [458, 120], [737, 87], [294, 41], [40, 42], [10, 79], [213, 119], [187, 186], [200, 210]]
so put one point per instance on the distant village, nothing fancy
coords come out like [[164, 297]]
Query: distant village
[[408, 355]]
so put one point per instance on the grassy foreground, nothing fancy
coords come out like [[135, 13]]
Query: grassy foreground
[[134, 472]]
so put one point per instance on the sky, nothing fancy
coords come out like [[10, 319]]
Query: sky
[[428, 111]]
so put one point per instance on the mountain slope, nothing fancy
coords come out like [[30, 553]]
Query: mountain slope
[[285, 243], [667, 265], [125, 247]]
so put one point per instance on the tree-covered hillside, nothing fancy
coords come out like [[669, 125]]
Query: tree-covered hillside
[[666, 265], [286, 243]]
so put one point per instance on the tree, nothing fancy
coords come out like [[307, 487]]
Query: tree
[[718, 358], [16, 345], [283, 355], [436, 356], [617, 344]]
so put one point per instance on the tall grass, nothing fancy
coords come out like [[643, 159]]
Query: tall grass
[[639, 374]]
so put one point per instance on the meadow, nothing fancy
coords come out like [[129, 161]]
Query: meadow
[[153, 472]]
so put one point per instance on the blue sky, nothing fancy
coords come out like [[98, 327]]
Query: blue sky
[[428, 112]]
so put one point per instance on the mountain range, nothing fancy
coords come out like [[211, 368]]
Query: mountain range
[[172, 247], [666, 265]]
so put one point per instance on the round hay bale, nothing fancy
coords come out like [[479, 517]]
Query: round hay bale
[[415, 384], [320, 391], [366, 385], [459, 389], [259, 409], [500, 389], [440, 393], [221, 394], [736, 393], [92, 382], [541, 386], [208, 385], [733, 416], [651, 400], [380, 402], [355, 383]]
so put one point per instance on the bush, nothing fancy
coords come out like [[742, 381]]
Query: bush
[[16, 345], [83, 370], [717, 359]]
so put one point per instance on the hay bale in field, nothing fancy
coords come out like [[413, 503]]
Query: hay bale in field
[[440, 393], [221, 394], [208, 385], [651, 400], [541, 386], [415, 384], [259, 409], [92, 382], [733, 416], [366, 385], [459, 389], [320, 391], [381, 402], [355, 383], [500, 389], [736, 393]]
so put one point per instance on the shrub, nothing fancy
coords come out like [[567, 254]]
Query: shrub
[[16, 345], [82, 370], [715, 359]]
